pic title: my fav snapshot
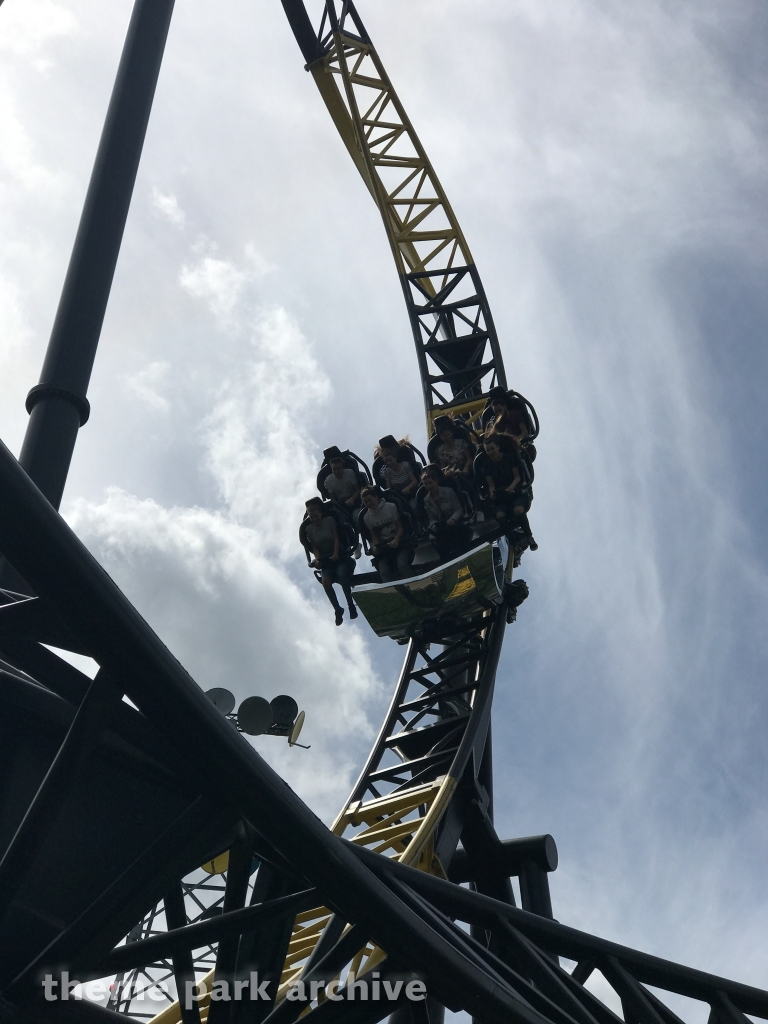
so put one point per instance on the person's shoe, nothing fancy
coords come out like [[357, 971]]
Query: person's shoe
[[532, 544], [358, 551], [339, 616], [353, 612]]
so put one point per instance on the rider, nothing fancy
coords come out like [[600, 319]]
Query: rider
[[335, 565], [392, 556], [447, 530], [509, 415], [399, 476], [504, 479], [342, 485], [453, 454]]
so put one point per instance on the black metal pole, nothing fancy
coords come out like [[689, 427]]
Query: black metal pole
[[238, 875], [183, 965], [57, 405]]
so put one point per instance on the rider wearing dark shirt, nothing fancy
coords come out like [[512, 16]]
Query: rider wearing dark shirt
[[509, 416], [504, 481], [335, 565], [453, 454]]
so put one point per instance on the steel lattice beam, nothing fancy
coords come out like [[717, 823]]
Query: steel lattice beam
[[457, 345]]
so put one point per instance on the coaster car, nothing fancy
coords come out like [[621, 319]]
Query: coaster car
[[462, 588]]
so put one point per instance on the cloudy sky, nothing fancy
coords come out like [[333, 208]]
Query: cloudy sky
[[608, 163]]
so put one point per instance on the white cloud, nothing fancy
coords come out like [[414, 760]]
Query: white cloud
[[258, 436], [14, 329], [256, 264], [26, 28], [220, 282], [145, 385], [261, 449], [168, 207], [17, 154]]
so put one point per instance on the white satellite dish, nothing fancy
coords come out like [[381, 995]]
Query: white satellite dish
[[296, 731], [221, 699]]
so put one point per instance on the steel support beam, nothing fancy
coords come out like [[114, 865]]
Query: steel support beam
[[474, 908], [72, 1011], [263, 950], [327, 967], [58, 406], [238, 874], [182, 847], [511, 857], [183, 966]]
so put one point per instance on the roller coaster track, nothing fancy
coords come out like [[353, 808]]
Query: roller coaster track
[[456, 342], [108, 809]]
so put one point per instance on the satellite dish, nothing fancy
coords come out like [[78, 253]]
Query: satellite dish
[[296, 731], [254, 715], [284, 711], [221, 699]]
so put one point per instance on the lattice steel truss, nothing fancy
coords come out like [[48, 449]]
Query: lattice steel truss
[[433, 737], [456, 342]]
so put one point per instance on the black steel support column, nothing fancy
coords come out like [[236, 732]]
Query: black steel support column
[[57, 405], [534, 889], [238, 875], [262, 951], [183, 967]]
